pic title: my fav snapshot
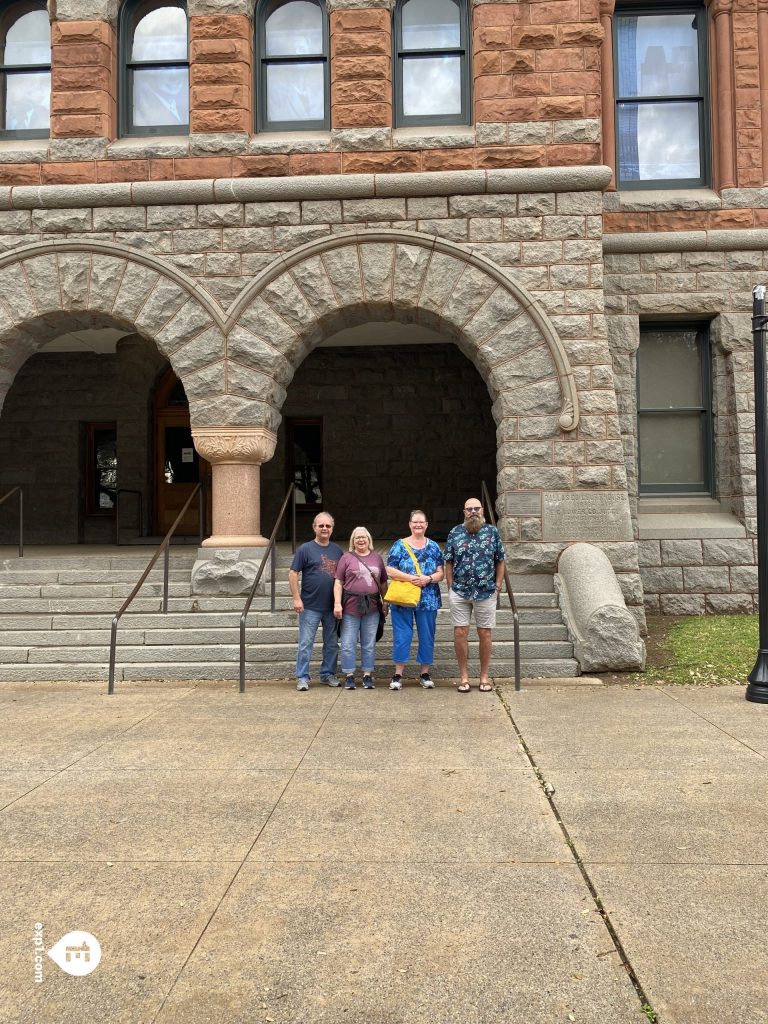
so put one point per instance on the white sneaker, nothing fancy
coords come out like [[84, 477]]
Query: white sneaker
[[396, 683], [302, 684], [426, 682]]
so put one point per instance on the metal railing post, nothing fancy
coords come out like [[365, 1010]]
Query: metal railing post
[[269, 553], [273, 571], [166, 562], [163, 547], [201, 515], [21, 522], [486, 497], [293, 522]]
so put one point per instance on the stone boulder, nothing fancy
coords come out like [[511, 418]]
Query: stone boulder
[[225, 571]]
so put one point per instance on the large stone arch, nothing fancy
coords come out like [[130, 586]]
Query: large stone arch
[[53, 287], [344, 280]]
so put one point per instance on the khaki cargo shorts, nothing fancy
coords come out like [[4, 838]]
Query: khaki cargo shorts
[[461, 610]]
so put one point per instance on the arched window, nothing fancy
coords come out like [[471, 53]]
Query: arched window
[[432, 67], [292, 83], [154, 93], [25, 70]]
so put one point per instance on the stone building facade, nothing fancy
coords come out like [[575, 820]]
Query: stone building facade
[[439, 302]]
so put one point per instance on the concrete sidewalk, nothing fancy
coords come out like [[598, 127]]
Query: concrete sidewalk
[[380, 858]]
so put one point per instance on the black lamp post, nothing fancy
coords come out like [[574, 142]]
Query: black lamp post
[[758, 678]]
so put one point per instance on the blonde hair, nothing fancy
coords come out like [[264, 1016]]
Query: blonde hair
[[358, 531]]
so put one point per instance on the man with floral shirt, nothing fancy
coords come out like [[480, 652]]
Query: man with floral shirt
[[474, 571]]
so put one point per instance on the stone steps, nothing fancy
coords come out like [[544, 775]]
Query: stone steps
[[56, 614], [191, 671]]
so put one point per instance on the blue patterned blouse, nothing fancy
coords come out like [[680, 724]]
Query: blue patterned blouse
[[430, 559]]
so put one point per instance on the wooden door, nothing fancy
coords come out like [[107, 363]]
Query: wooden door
[[178, 467]]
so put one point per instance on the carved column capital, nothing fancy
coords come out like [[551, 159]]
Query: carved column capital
[[607, 8], [718, 7], [241, 445]]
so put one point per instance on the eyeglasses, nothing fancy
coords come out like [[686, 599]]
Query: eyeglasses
[[322, 526], [418, 522], [474, 508]]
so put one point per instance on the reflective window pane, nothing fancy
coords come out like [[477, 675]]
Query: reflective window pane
[[431, 86], [295, 28], [430, 24], [28, 101], [669, 369], [28, 40], [295, 92], [161, 35], [658, 55], [104, 469], [672, 449], [160, 96], [658, 141]]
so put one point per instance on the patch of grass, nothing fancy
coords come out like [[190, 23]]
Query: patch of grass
[[710, 650]]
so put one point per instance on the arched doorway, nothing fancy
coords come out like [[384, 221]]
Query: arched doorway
[[178, 468]]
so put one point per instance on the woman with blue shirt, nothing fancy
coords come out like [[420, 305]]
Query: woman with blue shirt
[[400, 566]]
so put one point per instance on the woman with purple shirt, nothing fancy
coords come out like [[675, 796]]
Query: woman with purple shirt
[[357, 594]]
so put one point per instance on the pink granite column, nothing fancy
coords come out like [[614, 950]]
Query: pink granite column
[[236, 455]]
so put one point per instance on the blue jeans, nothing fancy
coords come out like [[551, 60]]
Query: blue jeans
[[402, 634], [308, 623], [364, 627]]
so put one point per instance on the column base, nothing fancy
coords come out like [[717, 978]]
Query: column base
[[256, 541]]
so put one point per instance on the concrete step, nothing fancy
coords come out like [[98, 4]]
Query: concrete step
[[163, 632], [264, 652], [191, 671], [39, 577]]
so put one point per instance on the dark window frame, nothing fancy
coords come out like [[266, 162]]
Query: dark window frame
[[707, 486], [131, 13], [262, 62], [702, 97], [290, 465], [10, 13], [462, 51], [92, 507]]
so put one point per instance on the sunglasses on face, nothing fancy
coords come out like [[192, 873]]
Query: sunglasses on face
[[474, 508]]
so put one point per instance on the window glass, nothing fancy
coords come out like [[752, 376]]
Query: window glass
[[673, 393], [659, 141], [305, 460], [160, 96], [28, 101], [28, 40], [431, 24], [431, 85], [295, 92], [658, 55], [161, 35], [295, 28], [669, 369], [671, 450]]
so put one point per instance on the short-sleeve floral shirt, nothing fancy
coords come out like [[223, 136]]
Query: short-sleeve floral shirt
[[474, 557], [430, 559]]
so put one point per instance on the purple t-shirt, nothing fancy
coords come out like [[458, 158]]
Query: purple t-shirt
[[360, 574]]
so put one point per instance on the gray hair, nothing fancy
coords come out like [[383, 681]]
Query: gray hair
[[358, 530], [314, 521]]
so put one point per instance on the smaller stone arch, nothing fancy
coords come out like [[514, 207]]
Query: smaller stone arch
[[59, 286]]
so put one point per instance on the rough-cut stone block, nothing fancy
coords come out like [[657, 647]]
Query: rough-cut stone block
[[729, 604], [662, 581], [706, 580], [166, 299], [728, 552], [744, 579], [288, 301], [682, 604], [681, 552]]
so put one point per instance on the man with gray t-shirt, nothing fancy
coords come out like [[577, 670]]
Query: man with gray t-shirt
[[316, 563]]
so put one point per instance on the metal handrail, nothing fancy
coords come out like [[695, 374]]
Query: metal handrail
[[5, 497], [269, 553], [507, 583], [128, 490], [162, 548]]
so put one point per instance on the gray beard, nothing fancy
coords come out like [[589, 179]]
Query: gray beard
[[473, 523]]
